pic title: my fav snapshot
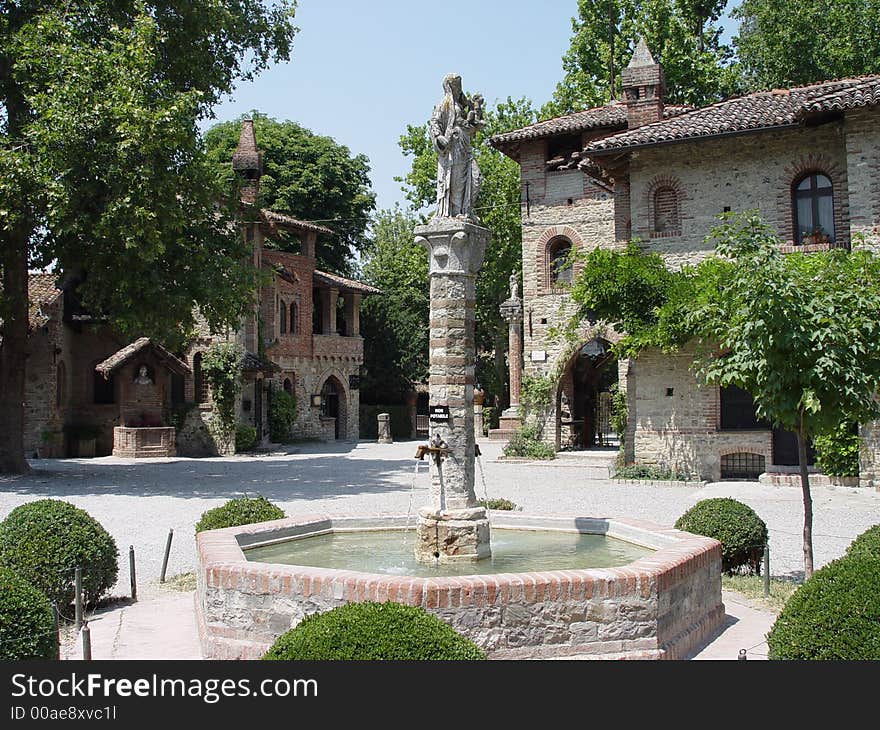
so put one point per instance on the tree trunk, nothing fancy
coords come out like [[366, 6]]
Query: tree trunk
[[14, 299], [502, 370], [611, 80], [13, 351], [808, 500]]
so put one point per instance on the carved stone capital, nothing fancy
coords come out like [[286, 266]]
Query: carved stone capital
[[512, 310], [454, 246]]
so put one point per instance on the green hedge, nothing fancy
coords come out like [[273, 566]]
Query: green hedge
[[27, 629], [282, 415], [735, 525], [833, 615], [245, 437], [389, 631], [44, 541], [867, 544], [837, 453], [239, 511], [526, 443]]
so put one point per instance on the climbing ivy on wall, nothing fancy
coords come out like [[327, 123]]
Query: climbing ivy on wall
[[221, 367]]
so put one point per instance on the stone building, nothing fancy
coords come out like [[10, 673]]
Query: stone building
[[302, 335], [807, 158]]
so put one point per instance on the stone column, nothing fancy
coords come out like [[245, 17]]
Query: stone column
[[384, 420], [511, 311], [452, 527]]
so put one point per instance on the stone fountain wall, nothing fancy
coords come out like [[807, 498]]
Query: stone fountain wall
[[658, 607]]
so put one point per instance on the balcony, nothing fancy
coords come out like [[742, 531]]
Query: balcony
[[338, 346]]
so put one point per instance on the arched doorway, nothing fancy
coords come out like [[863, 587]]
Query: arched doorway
[[333, 404], [583, 405]]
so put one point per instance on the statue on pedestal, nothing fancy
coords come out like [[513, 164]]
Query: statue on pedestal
[[453, 124]]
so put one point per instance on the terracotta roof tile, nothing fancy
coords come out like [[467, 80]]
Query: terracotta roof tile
[[342, 283], [120, 357], [609, 116], [760, 110], [286, 221]]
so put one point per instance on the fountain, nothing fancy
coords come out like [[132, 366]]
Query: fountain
[[552, 586]]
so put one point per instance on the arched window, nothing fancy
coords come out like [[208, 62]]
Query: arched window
[[294, 318], [813, 209], [282, 318], [200, 387], [666, 210], [558, 261]]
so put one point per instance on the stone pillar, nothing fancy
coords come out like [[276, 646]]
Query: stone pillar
[[384, 420], [353, 314], [512, 312], [452, 527], [332, 296], [479, 396]]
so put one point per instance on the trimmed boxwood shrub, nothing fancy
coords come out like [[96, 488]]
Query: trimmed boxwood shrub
[[373, 631], [27, 629], [44, 541], [245, 437], [239, 511], [735, 525], [833, 615], [866, 544]]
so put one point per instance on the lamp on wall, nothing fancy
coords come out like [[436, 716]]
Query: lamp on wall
[[316, 400]]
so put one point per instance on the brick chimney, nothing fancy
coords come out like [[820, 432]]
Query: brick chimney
[[247, 162], [643, 87]]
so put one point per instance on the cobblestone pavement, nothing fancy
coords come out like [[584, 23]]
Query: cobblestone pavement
[[139, 501]]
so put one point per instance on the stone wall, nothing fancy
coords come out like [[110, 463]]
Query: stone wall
[[863, 172]]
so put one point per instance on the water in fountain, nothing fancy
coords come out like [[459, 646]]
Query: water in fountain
[[412, 490]]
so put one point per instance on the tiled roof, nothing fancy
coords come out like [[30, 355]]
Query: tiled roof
[[285, 220], [120, 357], [43, 291], [609, 116], [865, 93], [761, 110], [340, 282], [251, 363]]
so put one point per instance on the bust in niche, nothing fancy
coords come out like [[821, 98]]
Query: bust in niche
[[143, 376]]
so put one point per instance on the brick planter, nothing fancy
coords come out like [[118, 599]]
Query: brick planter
[[661, 606]]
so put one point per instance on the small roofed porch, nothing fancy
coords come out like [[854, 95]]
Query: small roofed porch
[[149, 379]]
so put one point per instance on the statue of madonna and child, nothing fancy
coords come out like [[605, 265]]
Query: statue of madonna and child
[[453, 124]]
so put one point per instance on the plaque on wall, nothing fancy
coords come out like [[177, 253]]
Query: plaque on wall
[[354, 382]]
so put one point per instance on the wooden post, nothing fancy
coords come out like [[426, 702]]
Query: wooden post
[[167, 553], [78, 608], [87, 643], [132, 574]]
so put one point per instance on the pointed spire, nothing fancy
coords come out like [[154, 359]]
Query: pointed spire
[[643, 87], [246, 156], [642, 55]]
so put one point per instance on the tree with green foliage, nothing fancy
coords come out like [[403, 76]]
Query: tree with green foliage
[[102, 170], [681, 34], [798, 331], [784, 43], [307, 176], [394, 324], [498, 208]]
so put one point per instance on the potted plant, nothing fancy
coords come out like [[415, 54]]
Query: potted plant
[[814, 236], [82, 438], [52, 442]]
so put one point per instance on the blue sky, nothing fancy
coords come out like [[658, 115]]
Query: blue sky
[[361, 71]]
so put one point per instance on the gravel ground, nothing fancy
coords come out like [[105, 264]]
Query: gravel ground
[[138, 501]]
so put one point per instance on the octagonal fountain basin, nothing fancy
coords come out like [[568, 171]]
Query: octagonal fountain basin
[[555, 587]]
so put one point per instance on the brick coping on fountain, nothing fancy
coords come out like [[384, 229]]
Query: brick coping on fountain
[[661, 606]]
